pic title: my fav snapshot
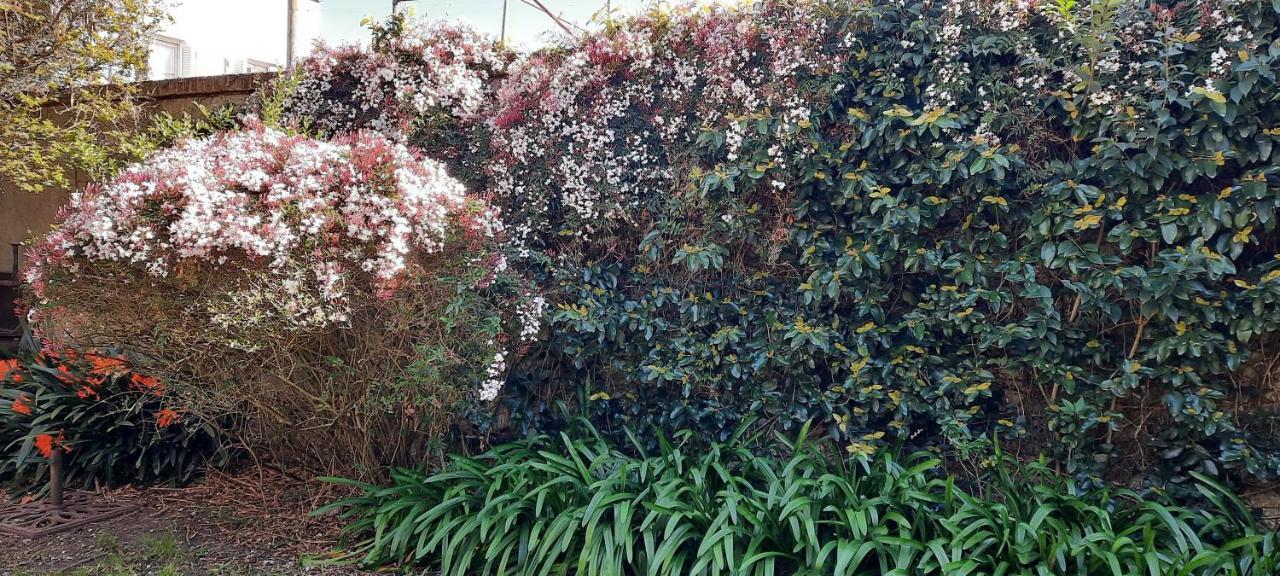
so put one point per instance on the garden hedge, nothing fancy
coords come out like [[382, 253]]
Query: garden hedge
[[341, 301], [931, 223], [935, 221]]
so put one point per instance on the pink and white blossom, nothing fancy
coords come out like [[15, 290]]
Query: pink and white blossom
[[307, 221], [429, 69]]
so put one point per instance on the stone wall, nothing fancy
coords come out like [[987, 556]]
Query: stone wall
[[24, 215]]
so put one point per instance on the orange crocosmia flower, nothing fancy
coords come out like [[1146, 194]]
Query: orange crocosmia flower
[[86, 392], [11, 369], [22, 405], [166, 418], [146, 384], [65, 375], [66, 354], [107, 365], [44, 444]]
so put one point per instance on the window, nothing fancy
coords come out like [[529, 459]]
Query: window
[[251, 65], [166, 59], [10, 328]]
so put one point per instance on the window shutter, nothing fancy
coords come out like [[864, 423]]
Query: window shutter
[[186, 60]]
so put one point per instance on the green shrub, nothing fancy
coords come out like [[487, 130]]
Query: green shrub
[[928, 220], [565, 506], [939, 221], [344, 302], [116, 425]]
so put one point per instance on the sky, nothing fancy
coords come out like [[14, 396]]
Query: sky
[[220, 35], [209, 37], [526, 26]]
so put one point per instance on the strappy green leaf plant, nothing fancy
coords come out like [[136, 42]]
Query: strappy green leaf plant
[[566, 505]]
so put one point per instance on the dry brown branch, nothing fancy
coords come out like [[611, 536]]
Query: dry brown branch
[[568, 27], [346, 399]]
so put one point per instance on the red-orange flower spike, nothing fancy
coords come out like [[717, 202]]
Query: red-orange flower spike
[[146, 384], [22, 405], [65, 375], [44, 445], [11, 370], [86, 392], [166, 418], [107, 365]]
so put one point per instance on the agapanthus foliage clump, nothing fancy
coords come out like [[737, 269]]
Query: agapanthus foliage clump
[[429, 84], [544, 504], [297, 281], [915, 221]]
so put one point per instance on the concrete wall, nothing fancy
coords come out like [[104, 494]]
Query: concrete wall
[[24, 215]]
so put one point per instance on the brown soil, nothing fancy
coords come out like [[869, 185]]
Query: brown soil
[[1266, 500], [252, 522]]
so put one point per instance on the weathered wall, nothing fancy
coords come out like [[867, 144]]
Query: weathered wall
[[24, 215]]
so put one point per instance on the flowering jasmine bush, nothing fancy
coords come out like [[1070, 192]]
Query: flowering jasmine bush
[[315, 218], [428, 84], [309, 285], [593, 136], [915, 221]]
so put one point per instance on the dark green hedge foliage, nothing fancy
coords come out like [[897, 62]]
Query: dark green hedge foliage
[[934, 222], [1066, 228]]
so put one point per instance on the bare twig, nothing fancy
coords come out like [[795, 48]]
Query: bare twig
[[568, 27]]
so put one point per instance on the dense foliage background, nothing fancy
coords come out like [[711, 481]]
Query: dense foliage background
[[923, 222]]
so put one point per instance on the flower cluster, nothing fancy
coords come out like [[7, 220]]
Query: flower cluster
[[85, 374], [306, 222], [587, 138], [530, 312], [493, 380], [113, 423], [416, 74]]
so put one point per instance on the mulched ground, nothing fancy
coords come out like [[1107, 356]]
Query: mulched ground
[[252, 522], [1266, 500]]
